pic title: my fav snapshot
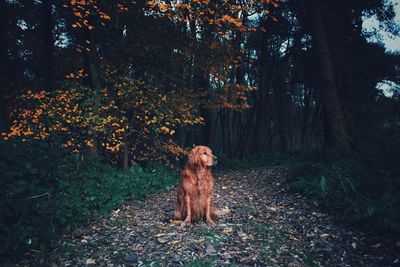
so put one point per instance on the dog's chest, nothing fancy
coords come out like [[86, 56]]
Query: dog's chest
[[204, 185]]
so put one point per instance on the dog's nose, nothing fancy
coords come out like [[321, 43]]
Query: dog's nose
[[215, 160]]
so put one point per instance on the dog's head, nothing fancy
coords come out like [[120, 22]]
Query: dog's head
[[202, 156]]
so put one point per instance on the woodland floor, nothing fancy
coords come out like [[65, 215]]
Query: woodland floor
[[265, 226]]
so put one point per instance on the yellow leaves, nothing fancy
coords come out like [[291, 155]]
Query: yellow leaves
[[80, 73], [152, 121], [165, 129], [70, 116], [43, 135]]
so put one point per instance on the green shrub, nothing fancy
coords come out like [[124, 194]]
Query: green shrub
[[43, 191], [360, 188]]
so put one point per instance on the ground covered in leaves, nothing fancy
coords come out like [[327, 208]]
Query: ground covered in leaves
[[264, 226]]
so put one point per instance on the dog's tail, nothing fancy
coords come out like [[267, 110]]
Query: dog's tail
[[178, 210], [221, 212]]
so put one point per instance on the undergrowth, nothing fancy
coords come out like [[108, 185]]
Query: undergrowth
[[44, 191], [358, 188]]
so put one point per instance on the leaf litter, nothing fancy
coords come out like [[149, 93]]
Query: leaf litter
[[259, 224]]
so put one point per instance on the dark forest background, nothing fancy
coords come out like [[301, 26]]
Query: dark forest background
[[101, 100]]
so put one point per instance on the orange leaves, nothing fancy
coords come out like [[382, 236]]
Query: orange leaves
[[167, 130], [77, 116], [83, 12], [78, 14], [104, 15], [78, 75], [237, 22]]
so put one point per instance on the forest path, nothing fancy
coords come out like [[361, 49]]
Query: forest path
[[266, 226]]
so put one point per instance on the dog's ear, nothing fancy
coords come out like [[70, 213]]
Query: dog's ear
[[194, 157]]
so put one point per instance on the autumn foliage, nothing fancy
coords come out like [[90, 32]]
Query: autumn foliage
[[126, 111]]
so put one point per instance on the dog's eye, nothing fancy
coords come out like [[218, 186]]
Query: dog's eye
[[205, 153]]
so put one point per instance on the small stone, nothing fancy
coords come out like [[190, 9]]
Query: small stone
[[163, 240], [210, 249], [130, 257], [226, 255]]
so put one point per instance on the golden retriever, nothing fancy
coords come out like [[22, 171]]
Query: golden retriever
[[196, 188]]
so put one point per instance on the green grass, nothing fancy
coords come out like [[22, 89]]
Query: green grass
[[44, 191], [210, 262]]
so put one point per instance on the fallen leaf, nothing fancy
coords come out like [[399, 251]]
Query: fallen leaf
[[90, 261], [273, 209], [163, 240], [377, 245], [228, 230], [176, 222], [199, 241], [325, 235], [223, 211]]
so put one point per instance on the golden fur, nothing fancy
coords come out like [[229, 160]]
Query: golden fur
[[195, 190]]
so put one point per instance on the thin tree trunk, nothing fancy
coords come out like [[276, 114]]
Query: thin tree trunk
[[92, 69], [48, 45], [261, 113], [306, 114], [125, 154]]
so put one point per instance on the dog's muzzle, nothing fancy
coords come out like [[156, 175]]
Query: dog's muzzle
[[215, 160]]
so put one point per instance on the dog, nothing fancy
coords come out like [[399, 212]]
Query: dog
[[194, 193]]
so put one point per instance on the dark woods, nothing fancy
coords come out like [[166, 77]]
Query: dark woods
[[313, 71], [134, 83]]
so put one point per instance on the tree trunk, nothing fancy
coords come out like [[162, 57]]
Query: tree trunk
[[93, 79], [125, 154], [261, 113], [329, 90], [4, 63], [48, 45]]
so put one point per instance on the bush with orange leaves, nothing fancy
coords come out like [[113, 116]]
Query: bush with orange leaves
[[125, 112]]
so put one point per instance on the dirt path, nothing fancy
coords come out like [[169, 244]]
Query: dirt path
[[266, 226]]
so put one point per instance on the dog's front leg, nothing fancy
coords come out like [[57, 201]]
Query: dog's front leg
[[188, 212], [209, 221]]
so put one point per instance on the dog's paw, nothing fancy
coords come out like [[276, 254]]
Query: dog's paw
[[184, 223], [211, 222]]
